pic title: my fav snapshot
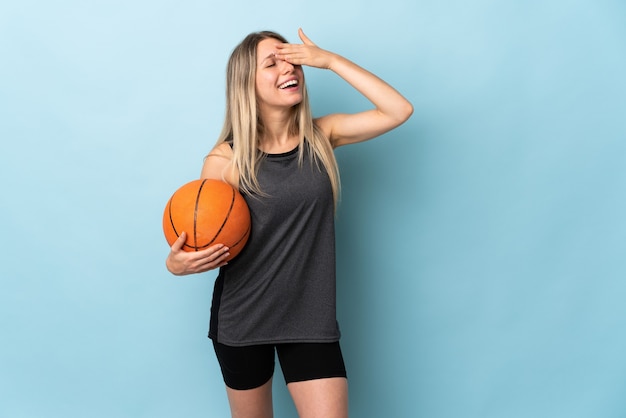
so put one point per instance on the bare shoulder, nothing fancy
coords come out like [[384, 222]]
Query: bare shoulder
[[327, 124], [218, 165], [223, 149], [324, 123]]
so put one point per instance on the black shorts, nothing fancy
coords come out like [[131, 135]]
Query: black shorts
[[252, 366]]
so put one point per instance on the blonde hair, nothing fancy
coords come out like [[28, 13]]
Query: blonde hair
[[243, 124]]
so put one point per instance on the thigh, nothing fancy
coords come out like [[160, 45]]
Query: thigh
[[321, 398], [251, 403], [310, 361], [316, 378], [245, 368]]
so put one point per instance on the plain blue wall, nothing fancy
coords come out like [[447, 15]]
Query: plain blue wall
[[481, 245]]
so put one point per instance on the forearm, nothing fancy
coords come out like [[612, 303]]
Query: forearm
[[385, 98]]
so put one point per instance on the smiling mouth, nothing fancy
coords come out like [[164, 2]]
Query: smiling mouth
[[287, 84]]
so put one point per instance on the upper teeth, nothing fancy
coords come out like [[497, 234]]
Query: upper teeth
[[288, 84]]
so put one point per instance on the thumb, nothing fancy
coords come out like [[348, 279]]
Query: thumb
[[178, 244], [304, 38]]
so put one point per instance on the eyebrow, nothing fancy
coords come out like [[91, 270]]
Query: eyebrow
[[266, 58]]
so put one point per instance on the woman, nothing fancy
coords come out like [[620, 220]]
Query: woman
[[278, 294]]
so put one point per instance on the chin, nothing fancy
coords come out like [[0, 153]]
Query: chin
[[296, 100]]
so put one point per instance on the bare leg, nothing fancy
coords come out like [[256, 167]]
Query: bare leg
[[321, 398], [252, 403]]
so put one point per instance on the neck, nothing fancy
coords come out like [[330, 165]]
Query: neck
[[276, 136]]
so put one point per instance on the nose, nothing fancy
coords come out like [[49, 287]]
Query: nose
[[286, 67]]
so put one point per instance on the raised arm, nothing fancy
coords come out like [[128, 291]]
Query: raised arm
[[391, 109]]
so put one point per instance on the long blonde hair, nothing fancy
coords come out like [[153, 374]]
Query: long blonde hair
[[243, 124]]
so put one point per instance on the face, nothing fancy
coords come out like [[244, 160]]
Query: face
[[279, 84]]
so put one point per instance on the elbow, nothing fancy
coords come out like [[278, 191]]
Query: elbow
[[403, 113], [407, 111]]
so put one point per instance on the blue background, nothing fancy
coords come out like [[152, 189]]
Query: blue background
[[481, 245]]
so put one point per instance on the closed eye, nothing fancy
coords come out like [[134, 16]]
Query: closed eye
[[269, 61]]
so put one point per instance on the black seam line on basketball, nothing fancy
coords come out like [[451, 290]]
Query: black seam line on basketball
[[245, 234], [169, 209], [230, 209], [195, 215]]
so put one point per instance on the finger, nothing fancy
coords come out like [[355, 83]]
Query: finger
[[286, 56], [218, 259], [282, 49], [220, 252], [210, 253], [305, 39], [180, 241]]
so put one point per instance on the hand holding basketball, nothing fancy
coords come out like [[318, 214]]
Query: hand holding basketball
[[209, 220], [180, 262]]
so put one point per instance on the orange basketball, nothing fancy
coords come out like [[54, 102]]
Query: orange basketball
[[210, 212]]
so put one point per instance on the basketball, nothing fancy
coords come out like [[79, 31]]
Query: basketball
[[210, 212]]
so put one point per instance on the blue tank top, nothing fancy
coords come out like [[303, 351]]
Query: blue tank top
[[281, 287]]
